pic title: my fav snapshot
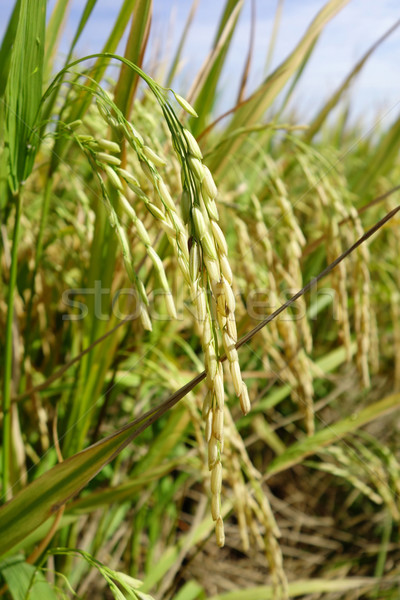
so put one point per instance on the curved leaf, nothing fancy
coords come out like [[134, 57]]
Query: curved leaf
[[44, 497], [330, 434]]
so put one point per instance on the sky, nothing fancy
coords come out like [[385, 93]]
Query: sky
[[375, 96]]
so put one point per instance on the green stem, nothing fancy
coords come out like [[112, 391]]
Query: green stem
[[8, 358], [39, 250]]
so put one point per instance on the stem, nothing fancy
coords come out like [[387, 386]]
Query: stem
[[8, 358], [39, 250]]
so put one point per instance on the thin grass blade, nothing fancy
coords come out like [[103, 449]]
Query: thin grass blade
[[330, 434], [6, 44], [135, 48], [246, 70], [43, 497], [321, 117], [53, 34], [302, 587], [175, 63], [203, 91], [380, 161], [256, 106]]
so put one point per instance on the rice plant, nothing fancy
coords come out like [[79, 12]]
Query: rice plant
[[200, 329]]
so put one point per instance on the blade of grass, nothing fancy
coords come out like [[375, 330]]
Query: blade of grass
[[87, 11], [135, 48], [383, 551], [298, 451], [296, 79], [121, 493], [274, 35], [190, 591], [246, 70], [380, 161], [203, 91], [6, 44], [44, 497], [8, 354], [36, 536], [301, 588], [178, 54], [24, 90], [53, 33], [321, 117], [250, 112]]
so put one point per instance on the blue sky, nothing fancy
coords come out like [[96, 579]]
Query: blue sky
[[376, 94]]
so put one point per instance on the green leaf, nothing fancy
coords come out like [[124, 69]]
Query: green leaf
[[301, 587], [24, 90], [333, 100], [43, 497], [177, 58], [135, 47], [206, 88], [380, 160], [6, 44], [120, 493], [87, 11], [190, 591], [298, 451], [53, 34], [256, 106], [25, 581]]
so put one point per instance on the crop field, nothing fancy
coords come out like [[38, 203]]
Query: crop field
[[199, 320]]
